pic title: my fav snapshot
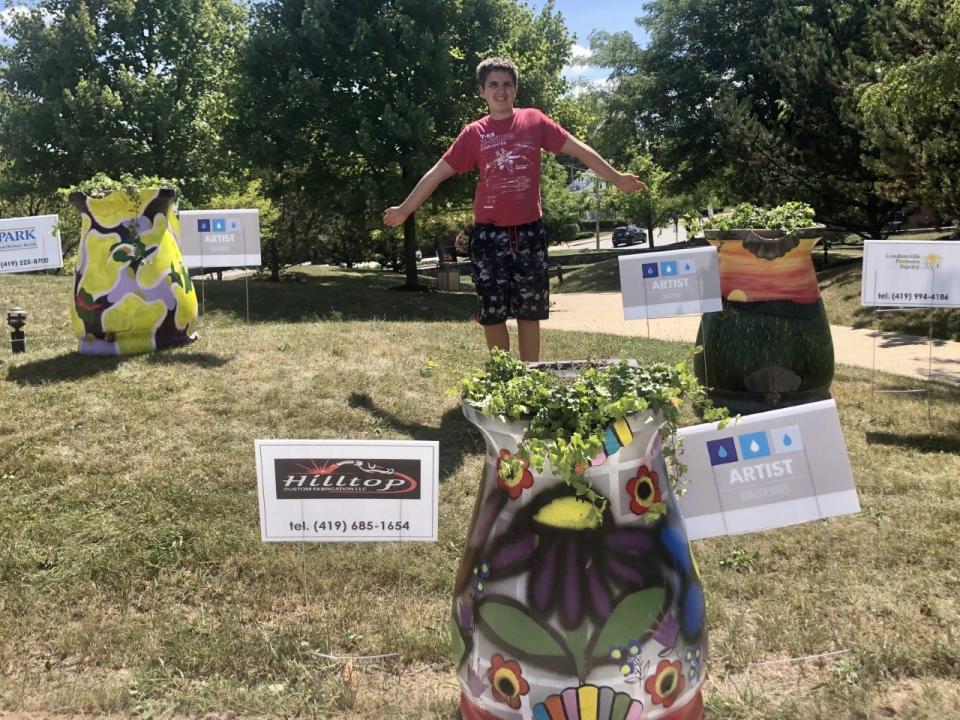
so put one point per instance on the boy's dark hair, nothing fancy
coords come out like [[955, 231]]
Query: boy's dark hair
[[495, 64]]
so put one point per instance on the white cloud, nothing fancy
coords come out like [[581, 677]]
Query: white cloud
[[579, 66], [585, 84], [9, 13], [579, 51]]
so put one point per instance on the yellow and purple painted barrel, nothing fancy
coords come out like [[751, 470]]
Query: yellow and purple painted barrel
[[132, 292]]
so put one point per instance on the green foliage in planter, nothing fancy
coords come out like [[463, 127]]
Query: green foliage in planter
[[787, 217], [567, 419], [101, 185]]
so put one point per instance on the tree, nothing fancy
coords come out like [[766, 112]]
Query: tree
[[653, 207], [117, 86], [912, 110], [760, 95], [562, 209], [363, 97]]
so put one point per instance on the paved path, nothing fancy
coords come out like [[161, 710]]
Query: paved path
[[888, 352]]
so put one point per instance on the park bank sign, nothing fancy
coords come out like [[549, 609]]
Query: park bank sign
[[220, 238], [670, 283], [30, 243], [767, 470]]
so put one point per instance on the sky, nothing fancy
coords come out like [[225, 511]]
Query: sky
[[584, 16]]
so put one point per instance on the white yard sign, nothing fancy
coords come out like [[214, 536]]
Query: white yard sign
[[767, 470], [347, 490], [670, 283], [911, 274], [220, 238], [30, 243]]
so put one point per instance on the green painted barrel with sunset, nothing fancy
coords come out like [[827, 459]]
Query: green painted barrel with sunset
[[770, 346]]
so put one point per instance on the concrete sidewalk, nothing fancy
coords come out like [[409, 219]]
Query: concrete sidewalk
[[887, 352]]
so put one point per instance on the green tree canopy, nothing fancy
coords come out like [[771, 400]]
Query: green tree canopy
[[361, 98], [912, 111], [761, 95], [117, 86]]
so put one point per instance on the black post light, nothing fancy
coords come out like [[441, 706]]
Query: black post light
[[16, 319]]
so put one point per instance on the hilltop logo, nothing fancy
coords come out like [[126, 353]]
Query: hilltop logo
[[315, 479]]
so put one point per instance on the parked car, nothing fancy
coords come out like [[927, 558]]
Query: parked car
[[628, 235]]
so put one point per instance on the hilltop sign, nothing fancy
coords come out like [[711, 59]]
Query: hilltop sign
[[220, 238], [670, 283], [30, 243], [347, 490], [766, 470]]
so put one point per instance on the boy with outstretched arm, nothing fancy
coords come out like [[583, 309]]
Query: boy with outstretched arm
[[508, 243]]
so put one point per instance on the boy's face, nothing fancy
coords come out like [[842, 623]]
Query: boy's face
[[499, 91]]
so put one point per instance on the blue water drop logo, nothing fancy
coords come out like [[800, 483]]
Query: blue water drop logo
[[722, 452], [787, 440], [754, 446]]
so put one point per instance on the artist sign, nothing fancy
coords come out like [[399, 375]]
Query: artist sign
[[911, 274], [347, 490], [768, 470], [30, 243], [670, 283], [220, 238]]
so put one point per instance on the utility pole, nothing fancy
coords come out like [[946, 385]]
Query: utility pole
[[596, 207]]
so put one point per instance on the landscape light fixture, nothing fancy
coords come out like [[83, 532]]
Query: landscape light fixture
[[16, 319]]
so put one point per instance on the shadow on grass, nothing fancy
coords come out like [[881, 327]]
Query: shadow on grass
[[336, 295], [898, 340], [921, 442], [75, 366], [455, 434]]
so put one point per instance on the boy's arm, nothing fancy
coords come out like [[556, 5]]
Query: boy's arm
[[625, 182], [397, 214]]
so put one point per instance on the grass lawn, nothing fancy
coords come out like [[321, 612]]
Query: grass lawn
[[133, 581]]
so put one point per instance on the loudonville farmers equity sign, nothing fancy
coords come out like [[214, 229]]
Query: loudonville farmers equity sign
[[30, 243], [670, 283], [911, 274], [347, 490]]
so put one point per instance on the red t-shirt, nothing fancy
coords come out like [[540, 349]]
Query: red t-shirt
[[507, 154]]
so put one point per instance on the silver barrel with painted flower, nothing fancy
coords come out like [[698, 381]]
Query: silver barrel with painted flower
[[564, 613]]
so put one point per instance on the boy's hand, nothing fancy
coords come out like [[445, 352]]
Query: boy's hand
[[394, 216], [628, 183]]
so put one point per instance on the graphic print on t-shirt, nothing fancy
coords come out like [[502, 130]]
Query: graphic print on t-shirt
[[507, 172], [507, 154]]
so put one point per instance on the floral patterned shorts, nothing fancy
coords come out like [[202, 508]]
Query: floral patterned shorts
[[510, 267]]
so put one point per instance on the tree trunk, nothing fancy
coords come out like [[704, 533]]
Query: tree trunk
[[274, 261], [410, 250], [274, 246], [650, 236]]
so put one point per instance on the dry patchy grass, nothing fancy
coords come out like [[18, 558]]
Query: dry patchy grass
[[133, 580]]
